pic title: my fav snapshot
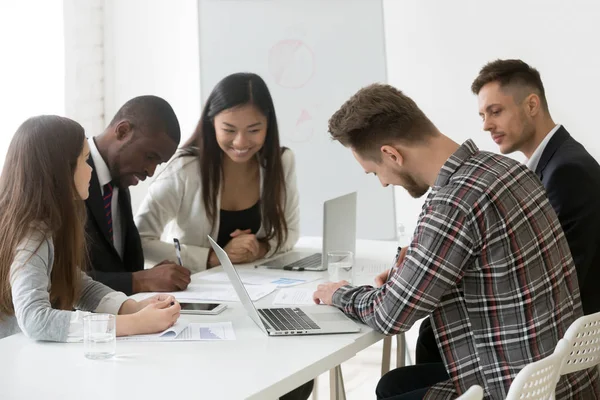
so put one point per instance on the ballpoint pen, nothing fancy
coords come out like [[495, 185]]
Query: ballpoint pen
[[177, 250], [397, 255], [395, 263]]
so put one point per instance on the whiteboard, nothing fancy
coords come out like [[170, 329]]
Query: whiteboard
[[313, 55]]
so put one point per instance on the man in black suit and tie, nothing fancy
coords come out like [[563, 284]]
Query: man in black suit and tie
[[143, 134]]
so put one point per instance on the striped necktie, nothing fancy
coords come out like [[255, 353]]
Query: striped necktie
[[108, 192]]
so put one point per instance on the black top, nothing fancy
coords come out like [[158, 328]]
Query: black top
[[242, 220]]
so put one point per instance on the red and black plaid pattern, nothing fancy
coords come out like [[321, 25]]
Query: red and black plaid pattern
[[490, 263], [108, 193]]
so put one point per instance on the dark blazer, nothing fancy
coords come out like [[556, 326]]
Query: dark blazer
[[105, 264], [571, 177]]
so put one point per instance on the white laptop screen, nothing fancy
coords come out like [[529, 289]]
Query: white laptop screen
[[237, 283]]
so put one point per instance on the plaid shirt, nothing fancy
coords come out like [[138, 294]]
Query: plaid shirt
[[490, 263]]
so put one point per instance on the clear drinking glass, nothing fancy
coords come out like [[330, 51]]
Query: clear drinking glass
[[339, 265], [99, 336]]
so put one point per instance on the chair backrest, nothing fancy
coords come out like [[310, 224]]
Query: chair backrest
[[537, 381], [475, 392], [583, 338]]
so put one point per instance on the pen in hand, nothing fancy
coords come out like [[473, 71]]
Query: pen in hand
[[177, 250], [391, 270], [396, 259]]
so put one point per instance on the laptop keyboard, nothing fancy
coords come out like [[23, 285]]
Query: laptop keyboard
[[288, 319], [312, 261]]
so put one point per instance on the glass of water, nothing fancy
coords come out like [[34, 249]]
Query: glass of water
[[99, 336], [339, 265]]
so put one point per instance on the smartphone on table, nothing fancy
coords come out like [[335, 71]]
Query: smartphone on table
[[202, 308]]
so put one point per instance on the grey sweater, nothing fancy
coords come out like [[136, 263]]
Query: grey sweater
[[30, 283]]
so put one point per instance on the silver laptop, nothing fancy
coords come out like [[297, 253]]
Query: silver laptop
[[317, 320], [339, 234]]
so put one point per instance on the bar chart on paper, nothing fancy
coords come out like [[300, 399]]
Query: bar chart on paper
[[211, 331], [214, 333], [184, 330]]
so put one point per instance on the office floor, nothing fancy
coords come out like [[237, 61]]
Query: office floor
[[362, 372]]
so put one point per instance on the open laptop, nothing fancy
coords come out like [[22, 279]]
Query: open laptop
[[339, 234], [286, 320]]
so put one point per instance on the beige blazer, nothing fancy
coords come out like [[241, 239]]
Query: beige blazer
[[173, 208]]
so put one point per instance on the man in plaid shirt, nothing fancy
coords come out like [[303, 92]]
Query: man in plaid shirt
[[488, 260]]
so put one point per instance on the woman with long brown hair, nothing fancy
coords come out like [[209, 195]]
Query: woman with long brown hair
[[42, 246], [232, 180]]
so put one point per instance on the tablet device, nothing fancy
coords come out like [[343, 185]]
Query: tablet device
[[202, 308]]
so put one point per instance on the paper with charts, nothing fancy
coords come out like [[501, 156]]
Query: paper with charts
[[218, 292], [188, 331], [281, 279]]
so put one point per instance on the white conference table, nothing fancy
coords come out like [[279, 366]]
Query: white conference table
[[253, 366]]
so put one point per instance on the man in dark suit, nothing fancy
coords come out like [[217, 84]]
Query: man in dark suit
[[513, 106], [143, 134], [512, 103]]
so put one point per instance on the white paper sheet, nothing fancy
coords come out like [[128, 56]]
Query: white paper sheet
[[294, 296], [372, 269], [186, 331], [258, 278], [219, 292], [168, 334], [365, 271]]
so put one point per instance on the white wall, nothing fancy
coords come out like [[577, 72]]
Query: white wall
[[32, 66], [434, 51], [151, 47], [436, 48], [84, 63]]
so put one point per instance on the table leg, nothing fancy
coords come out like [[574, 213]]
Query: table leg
[[386, 355], [332, 384], [400, 350], [336, 384], [341, 388]]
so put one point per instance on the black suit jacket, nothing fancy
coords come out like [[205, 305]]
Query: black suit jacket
[[106, 265], [571, 177]]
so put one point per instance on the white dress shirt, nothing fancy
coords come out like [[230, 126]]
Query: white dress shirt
[[533, 162], [104, 177]]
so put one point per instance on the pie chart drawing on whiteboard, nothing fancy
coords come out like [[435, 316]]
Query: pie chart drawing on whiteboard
[[291, 63]]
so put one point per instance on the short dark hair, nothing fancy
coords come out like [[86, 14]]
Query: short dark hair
[[150, 114], [516, 73], [377, 115]]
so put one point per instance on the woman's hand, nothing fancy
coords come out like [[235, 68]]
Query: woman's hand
[[131, 306], [157, 298], [156, 316], [243, 247]]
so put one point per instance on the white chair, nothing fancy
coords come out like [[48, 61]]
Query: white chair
[[537, 381], [583, 339], [475, 392]]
